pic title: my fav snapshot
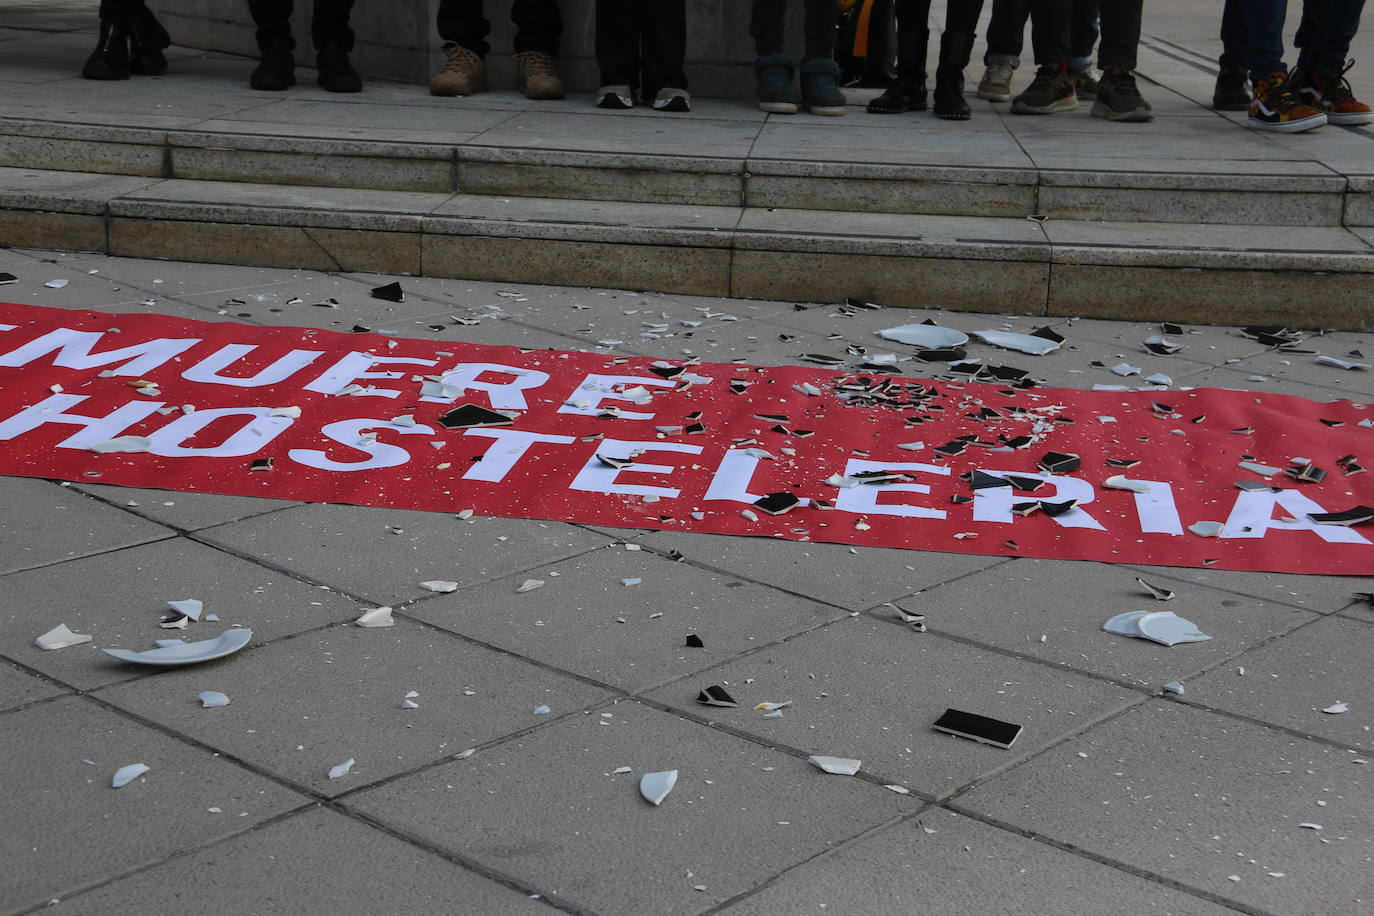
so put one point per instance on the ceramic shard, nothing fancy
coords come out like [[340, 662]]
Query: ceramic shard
[[121, 445], [377, 617], [212, 698], [716, 695], [1169, 629], [189, 607], [839, 766], [1159, 594], [468, 416], [978, 728], [442, 586], [342, 769], [927, 336], [60, 637], [391, 292], [187, 653], [127, 774], [656, 786], [1022, 343]]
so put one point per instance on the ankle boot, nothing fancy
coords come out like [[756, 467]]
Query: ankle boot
[[336, 74], [110, 59], [147, 39], [955, 49], [276, 69], [908, 91]]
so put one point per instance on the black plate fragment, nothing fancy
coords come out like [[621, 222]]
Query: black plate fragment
[[977, 728]]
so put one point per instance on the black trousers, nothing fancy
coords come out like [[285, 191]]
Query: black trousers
[[1008, 25], [642, 44], [328, 23], [123, 11], [538, 25], [1120, 33], [960, 15], [769, 17]]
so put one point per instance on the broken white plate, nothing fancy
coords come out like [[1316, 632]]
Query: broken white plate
[[930, 336], [212, 698], [125, 775], [1122, 482], [377, 617], [1336, 709], [1206, 529], [656, 786], [1125, 624], [840, 766], [441, 586], [122, 444], [188, 606], [1022, 343], [1169, 629], [187, 653], [342, 769], [529, 585], [60, 637]]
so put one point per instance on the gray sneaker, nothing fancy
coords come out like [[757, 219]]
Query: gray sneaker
[[995, 86], [1051, 90], [672, 99]]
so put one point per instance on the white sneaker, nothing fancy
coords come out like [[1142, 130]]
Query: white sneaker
[[671, 99], [615, 97]]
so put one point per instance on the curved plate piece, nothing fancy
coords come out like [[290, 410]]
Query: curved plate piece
[[1169, 629], [656, 786], [840, 766], [1125, 624], [1021, 343], [127, 774], [187, 653], [930, 336]]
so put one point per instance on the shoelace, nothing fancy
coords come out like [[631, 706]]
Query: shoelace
[[1335, 86], [460, 59], [1123, 84], [536, 64], [1044, 77]]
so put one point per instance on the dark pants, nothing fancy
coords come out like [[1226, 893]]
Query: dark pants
[[960, 15], [1252, 34], [121, 11], [1120, 34], [1007, 27], [818, 27], [538, 25], [328, 23], [642, 44]]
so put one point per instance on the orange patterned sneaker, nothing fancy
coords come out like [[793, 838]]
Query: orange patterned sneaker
[[1330, 93], [1276, 107]]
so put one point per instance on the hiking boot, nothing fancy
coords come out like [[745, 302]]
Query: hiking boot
[[536, 77], [618, 96], [908, 91], [1276, 107], [464, 72], [1330, 93], [1051, 90], [335, 73], [1232, 92], [276, 70], [147, 40], [672, 99], [955, 50], [110, 59], [1118, 99], [995, 86], [820, 87], [773, 75], [1085, 81]]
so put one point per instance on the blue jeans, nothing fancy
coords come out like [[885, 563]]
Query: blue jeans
[[1252, 34], [1007, 28]]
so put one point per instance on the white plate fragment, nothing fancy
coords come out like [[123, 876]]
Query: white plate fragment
[[1336, 709], [656, 786], [1169, 629], [1174, 687], [1125, 624], [377, 617], [1206, 529], [840, 766], [441, 586], [188, 606], [121, 444], [342, 769], [212, 698], [60, 637], [125, 775], [1340, 363], [1122, 482], [1022, 343], [930, 336], [1264, 470], [542, 710], [1125, 369], [529, 585], [187, 653], [58, 284]]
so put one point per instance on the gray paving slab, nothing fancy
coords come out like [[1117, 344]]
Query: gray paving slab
[[1020, 607], [849, 577], [1213, 345], [184, 511], [19, 687], [1290, 681], [357, 682], [586, 131], [367, 112], [639, 630], [1236, 378], [405, 548], [305, 302], [82, 289], [1304, 368], [307, 846], [947, 863], [1323, 594], [46, 523], [179, 279], [66, 828], [1198, 798], [119, 597], [740, 812], [880, 709]]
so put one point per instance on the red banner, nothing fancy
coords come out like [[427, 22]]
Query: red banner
[[1190, 478]]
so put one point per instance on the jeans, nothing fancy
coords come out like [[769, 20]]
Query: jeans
[[960, 15], [328, 23], [1252, 34], [1008, 25], [1120, 34], [642, 44], [538, 25], [818, 26]]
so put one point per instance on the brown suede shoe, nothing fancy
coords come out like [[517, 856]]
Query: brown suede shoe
[[464, 72], [535, 76]]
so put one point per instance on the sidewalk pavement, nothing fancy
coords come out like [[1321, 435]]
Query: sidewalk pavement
[[1238, 795]]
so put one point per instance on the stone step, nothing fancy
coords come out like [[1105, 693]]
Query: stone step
[[1206, 274], [1205, 191]]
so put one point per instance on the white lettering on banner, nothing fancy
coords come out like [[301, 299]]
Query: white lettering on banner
[[1253, 515], [731, 480], [500, 395], [260, 429], [863, 499], [73, 349], [597, 477], [1156, 508], [208, 369], [510, 446], [349, 432], [53, 409], [993, 504], [594, 389], [353, 367]]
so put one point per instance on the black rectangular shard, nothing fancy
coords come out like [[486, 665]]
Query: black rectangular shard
[[977, 728]]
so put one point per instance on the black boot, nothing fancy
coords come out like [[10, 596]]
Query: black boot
[[147, 40], [336, 73], [110, 59], [908, 91], [276, 70], [955, 49]]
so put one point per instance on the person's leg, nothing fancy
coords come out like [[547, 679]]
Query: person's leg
[[333, 38], [1083, 32], [1118, 96], [617, 52], [1264, 37], [1232, 89], [1052, 89], [1276, 106], [538, 27], [956, 47], [1006, 31], [462, 22], [147, 40], [276, 69], [110, 59], [767, 19], [773, 69], [1323, 41], [663, 43], [820, 74], [908, 91]]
